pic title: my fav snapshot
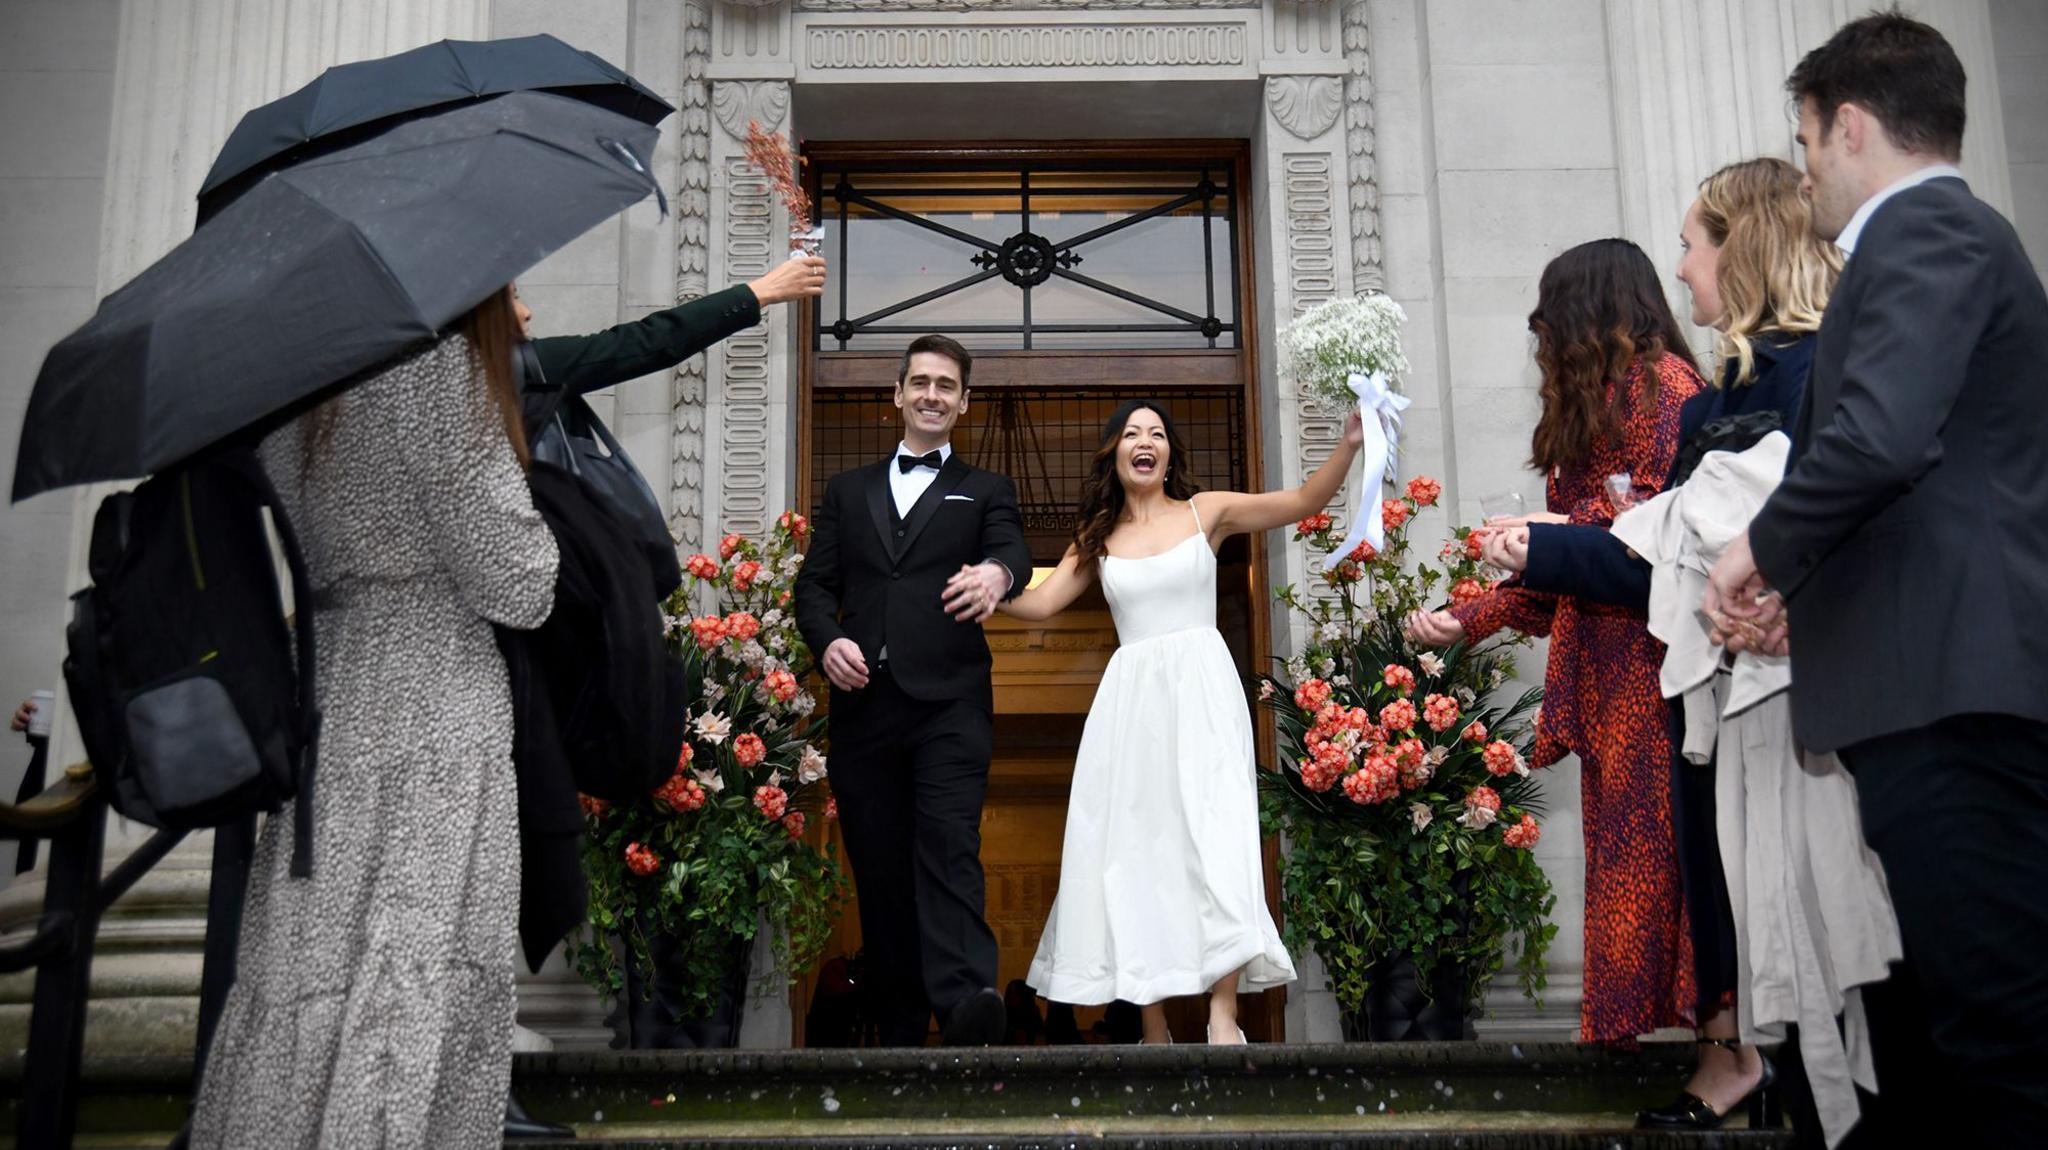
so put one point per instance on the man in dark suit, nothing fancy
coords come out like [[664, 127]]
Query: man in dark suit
[[1904, 562], [908, 555]]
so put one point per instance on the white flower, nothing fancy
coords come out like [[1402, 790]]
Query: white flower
[[803, 704], [1326, 668], [713, 727], [777, 643], [1478, 818], [669, 624], [1297, 668], [1420, 815], [714, 693], [1341, 681], [1498, 677], [752, 653], [1436, 757], [811, 767], [1331, 631], [775, 778], [1265, 689], [710, 780], [1431, 665], [772, 619], [1325, 345], [1536, 719], [790, 563], [1465, 697]]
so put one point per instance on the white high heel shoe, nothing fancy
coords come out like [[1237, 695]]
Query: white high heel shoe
[[1209, 1035]]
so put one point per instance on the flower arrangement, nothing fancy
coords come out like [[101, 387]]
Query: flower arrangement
[[728, 841], [1403, 789], [1343, 337], [783, 168]]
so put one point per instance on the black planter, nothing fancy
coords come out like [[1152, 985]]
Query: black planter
[[1399, 1008], [650, 1006]]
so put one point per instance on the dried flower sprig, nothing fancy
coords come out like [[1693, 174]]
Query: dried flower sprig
[[783, 168]]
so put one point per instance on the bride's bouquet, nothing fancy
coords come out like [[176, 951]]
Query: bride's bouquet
[[783, 168], [1347, 353]]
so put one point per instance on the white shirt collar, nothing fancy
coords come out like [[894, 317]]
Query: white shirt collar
[[1847, 240], [945, 451]]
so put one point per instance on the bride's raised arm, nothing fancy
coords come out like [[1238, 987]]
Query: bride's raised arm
[[1228, 513], [1056, 594]]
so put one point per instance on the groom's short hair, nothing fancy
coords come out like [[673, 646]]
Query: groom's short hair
[[943, 345]]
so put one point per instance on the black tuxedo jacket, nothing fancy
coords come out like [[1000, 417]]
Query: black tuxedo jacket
[[880, 582], [1910, 535]]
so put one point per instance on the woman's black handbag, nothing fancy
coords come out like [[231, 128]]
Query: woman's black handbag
[[573, 438]]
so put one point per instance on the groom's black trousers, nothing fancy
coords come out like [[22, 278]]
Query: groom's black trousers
[[909, 776]]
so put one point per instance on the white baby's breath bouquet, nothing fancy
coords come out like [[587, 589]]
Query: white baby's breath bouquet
[[1341, 338], [1345, 354]]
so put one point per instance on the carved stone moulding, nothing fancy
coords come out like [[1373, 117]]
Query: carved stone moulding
[[857, 47]]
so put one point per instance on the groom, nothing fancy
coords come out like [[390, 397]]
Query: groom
[[908, 555]]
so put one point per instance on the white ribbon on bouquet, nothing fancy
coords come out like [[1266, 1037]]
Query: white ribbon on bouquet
[[1379, 408]]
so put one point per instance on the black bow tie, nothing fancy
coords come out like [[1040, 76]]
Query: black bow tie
[[910, 463]]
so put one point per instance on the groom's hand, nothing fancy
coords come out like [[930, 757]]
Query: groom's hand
[[972, 593], [844, 665]]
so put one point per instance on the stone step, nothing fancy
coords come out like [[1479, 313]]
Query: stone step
[[1472, 1095]]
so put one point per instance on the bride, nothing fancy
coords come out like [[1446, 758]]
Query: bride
[[1161, 883]]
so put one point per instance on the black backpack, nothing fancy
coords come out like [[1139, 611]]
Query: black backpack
[[192, 702]]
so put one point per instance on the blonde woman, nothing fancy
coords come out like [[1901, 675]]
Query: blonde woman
[[1760, 278]]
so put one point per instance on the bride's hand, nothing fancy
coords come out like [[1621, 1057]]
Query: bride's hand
[[1354, 430], [1433, 628]]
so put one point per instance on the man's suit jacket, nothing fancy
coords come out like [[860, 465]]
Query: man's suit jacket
[[1910, 535], [880, 582]]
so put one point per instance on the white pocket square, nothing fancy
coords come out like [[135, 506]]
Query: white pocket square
[[961, 498]]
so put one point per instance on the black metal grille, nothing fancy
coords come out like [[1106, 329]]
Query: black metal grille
[[1042, 439], [1013, 225]]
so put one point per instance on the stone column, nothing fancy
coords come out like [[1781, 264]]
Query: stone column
[[1702, 84], [185, 71]]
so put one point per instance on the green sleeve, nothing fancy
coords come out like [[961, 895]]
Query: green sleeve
[[584, 363]]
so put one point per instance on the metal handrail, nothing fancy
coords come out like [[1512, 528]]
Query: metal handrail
[[53, 808]]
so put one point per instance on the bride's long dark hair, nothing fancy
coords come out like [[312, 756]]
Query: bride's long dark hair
[[1102, 493]]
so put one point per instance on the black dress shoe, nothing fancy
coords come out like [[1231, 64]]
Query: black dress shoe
[[1690, 1112], [976, 1020], [520, 1124]]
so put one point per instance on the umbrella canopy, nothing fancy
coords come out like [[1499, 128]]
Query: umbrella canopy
[[349, 103], [320, 272]]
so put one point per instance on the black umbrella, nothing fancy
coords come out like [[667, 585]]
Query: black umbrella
[[349, 103], [319, 272]]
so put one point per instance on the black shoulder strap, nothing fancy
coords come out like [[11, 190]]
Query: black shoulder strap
[[245, 463]]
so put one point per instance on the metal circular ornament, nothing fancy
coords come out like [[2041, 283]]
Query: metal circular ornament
[[1026, 259]]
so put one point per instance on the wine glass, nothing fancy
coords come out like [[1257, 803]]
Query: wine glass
[[1501, 505]]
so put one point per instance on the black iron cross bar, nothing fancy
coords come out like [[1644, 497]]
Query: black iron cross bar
[[927, 297], [920, 221], [1133, 297]]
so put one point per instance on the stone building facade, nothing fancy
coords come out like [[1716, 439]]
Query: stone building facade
[[1439, 150]]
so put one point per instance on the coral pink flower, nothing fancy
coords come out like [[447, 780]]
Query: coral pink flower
[[1394, 514], [748, 750], [1522, 835], [744, 573], [1398, 677], [832, 807], [1314, 524], [1398, 715], [592, 808], [1482, 806], [640, 860], [1363, 553], [1440, 712], [1474, 733], [702, 566], [729, 546], [1502, 759], [1466, 590], [781, 684], [1424, 491], [1311, 695], [708, 629], [771, 801], [793, 822], [742, 626]]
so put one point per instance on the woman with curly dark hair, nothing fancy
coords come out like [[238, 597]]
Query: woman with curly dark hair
[[1162, 889], [1616, 370]]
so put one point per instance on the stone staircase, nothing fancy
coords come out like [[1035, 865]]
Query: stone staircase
[[1471, 1095]]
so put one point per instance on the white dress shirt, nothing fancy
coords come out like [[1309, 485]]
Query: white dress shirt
[[1854, 231], [909, 486]]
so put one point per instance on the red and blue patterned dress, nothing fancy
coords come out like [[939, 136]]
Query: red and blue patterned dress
[[1601, 701]]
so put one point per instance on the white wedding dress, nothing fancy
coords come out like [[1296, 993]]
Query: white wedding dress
[[1162, 887]]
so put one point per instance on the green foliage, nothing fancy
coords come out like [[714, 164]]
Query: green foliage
[[1427, 871], [727, 843]]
